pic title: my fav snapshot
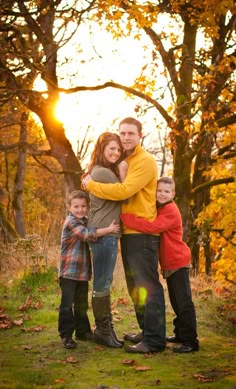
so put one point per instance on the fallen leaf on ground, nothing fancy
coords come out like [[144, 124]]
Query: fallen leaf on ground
[[34, 329], [129, 362], [71, 360], [18, 322], [5, 322], [123, 300], [99, 348], [26, 347], [42, 289], [142, 368], [29, 303], [211, 375], [115, 312]]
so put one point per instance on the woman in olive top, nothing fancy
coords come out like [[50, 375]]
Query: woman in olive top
[[104, 168]]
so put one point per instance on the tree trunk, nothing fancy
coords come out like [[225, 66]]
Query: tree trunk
[[62, 151], [61, 148], [182, 174], [207, 252], [7, 232], [202, 199], [17, 201]]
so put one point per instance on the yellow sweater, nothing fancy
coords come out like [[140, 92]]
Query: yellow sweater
[[138, 190]]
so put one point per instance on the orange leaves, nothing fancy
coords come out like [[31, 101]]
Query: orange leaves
[[145, 85], [18, 322], [26, 347], [121, 19], [29, 303], [130, 362], [123, 300], [59, 381], [211, 375], [229, 312], [34, 329], [71, 360], [142, 368], [133, 364], [5, 322]]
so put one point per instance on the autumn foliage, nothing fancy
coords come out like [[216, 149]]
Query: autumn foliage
[[188, 82]]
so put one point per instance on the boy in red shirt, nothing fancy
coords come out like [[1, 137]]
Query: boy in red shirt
[[174, 261]]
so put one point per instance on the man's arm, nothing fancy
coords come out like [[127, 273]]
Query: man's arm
[[137, 178]]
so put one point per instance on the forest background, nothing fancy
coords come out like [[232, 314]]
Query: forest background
[[184, 94], [171, 64]]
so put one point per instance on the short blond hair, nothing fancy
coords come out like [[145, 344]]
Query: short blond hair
[[77, 194], [135, 122], [167, 180]]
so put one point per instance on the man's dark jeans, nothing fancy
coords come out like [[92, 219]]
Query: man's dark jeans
[[73, 309], [181, 301], [139, 254]]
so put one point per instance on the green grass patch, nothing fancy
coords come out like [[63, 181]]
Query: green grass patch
[[32, 356]]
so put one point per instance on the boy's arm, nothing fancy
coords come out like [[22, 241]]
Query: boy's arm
[[92, 233], [113, 227], [138, 223], [163, 222], [82, 232]]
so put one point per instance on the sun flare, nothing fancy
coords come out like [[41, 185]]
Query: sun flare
[[66, 109]]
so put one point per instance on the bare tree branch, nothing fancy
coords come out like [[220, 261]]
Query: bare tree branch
[[111, 84], [216, 182]]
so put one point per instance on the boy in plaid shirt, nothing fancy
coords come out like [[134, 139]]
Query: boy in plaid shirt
[[75, 269]]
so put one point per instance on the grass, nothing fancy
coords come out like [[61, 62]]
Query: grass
[[32, 356]]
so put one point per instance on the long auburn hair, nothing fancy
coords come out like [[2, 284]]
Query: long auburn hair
[[98, 158]]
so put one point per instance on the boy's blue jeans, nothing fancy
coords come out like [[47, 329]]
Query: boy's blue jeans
[[139, 254], [73, 308], [104, 251]]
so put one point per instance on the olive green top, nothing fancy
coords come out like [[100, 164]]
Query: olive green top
[[103, 212]]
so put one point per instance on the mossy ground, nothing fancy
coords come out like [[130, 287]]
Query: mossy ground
[[32, 356]]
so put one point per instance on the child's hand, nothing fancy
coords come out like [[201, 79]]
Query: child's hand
[[114, 227]]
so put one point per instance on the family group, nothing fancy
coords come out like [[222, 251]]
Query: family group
[[123, 200]]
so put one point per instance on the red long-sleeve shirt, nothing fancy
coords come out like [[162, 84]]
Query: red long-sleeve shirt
[[174, 253]]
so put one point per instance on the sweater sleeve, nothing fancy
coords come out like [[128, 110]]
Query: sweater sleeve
[[104, 175], [82, 232], [164, 221], [135, 180]]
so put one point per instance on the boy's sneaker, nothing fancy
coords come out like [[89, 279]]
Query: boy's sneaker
[[68, 343]]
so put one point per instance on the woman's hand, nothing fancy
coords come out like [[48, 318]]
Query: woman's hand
[[123, 168], [85, 179]]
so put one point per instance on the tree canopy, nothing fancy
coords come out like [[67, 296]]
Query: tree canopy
[[189, 81]]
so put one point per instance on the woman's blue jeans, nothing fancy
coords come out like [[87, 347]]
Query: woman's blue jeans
[[104, 254]]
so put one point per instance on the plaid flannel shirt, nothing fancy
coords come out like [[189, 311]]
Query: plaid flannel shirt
[[75, 261]]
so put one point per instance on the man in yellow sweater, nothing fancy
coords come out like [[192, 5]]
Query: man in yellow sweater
[[139, 251]]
